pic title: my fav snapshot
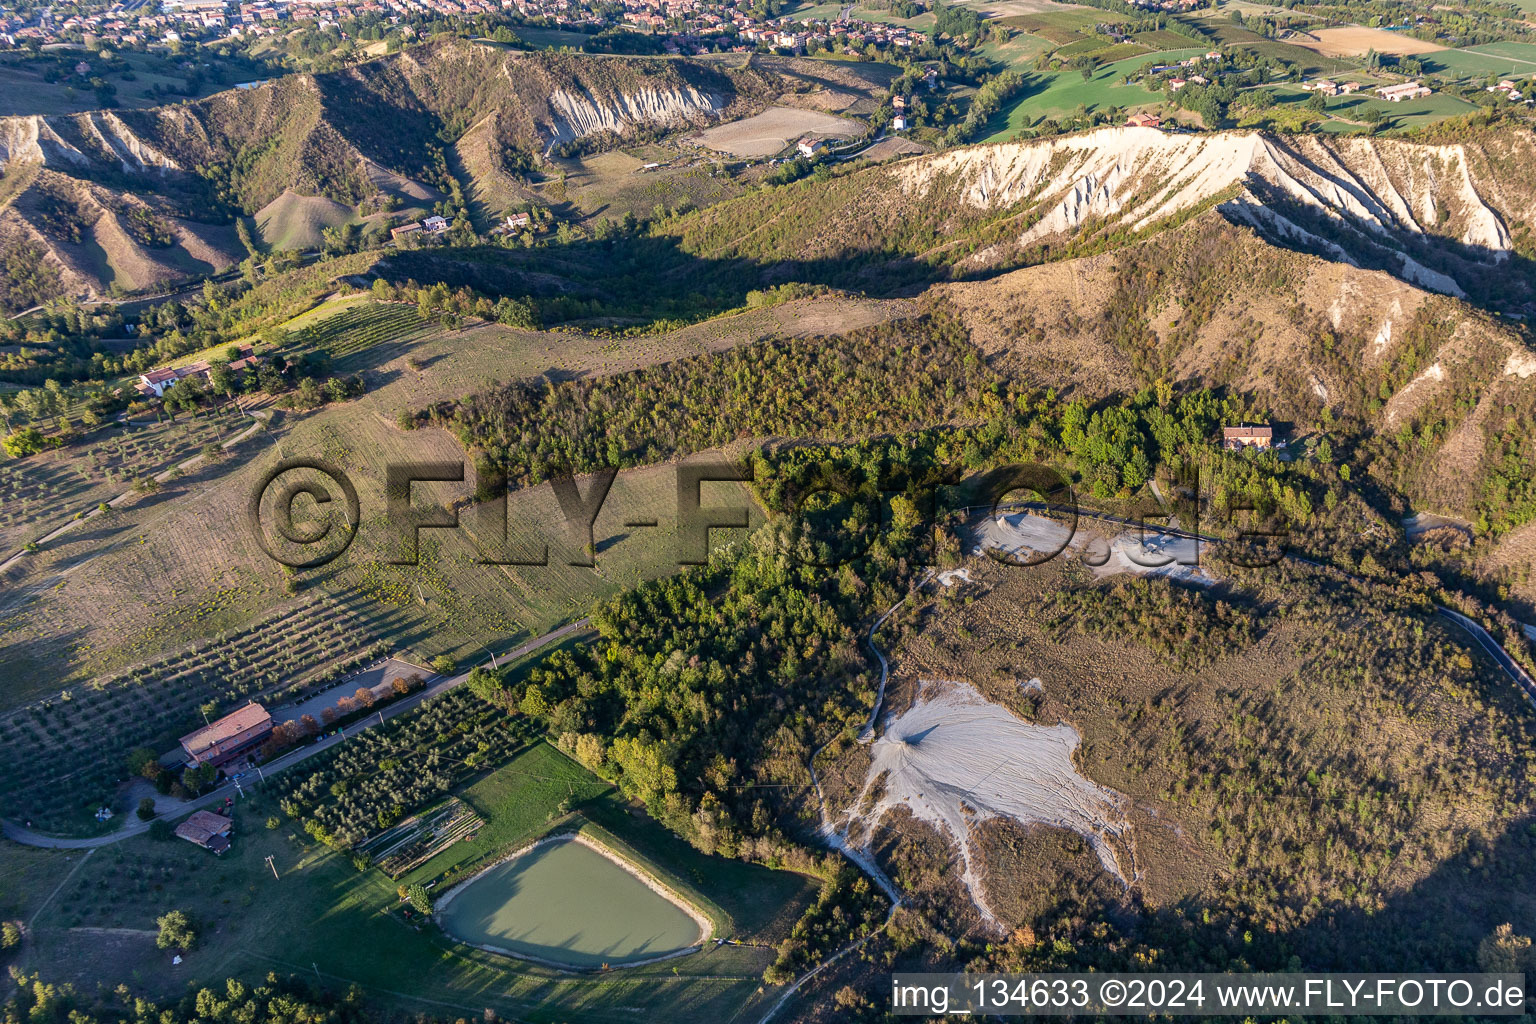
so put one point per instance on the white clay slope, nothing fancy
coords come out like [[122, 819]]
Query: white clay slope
[[582, 114], [1138, 177], [955, 759]]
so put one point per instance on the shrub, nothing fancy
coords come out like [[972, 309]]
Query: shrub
[[176, 931]]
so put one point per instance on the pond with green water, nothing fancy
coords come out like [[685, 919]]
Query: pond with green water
[[568, 904]]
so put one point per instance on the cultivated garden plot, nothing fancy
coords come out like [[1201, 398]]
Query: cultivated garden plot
[[421, 837]]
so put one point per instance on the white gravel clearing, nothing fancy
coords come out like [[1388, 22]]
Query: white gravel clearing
[[947, 579], [1029, 539], [955, 760]]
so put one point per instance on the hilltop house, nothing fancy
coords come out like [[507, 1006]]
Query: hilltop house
[[206, 829], [1143, 121], [1247, 437], [221, 741]]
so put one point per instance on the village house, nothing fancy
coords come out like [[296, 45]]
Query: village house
[[1405, 91], [1246, 437], [1176, 84], [206, 829], [808, 147], [227, 738], [518, 220], [400, 232], [899, 123], [1143, 121], [436, 225], [157, 381], [1324, 86]]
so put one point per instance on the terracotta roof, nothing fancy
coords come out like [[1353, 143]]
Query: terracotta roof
[[204, 827], [1247, 432], [231, 725], [156, 376]]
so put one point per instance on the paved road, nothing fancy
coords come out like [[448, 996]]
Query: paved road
[[436, 686]]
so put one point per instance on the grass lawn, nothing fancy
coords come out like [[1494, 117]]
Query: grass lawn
[[516, 803], [1407, 114], [550, 38], [29, 876], [1509, 59], [922, 23], [1290, 112], [813, 12], [1063, 92]]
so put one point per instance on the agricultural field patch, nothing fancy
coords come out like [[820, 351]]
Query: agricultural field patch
[[40, 492], [1357, 41], [922, 23], [609, 185], [1061, 27], [1162, 39], [1311, 62], [155, 79], [1020, 49], [292, 221], [359, 327], [163, 570], [1516, 60], [771, 132]]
